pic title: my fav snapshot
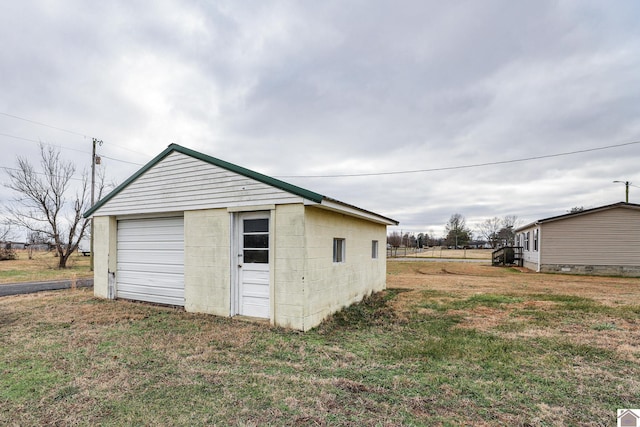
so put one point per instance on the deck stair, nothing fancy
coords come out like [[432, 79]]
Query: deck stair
[[508, 255]]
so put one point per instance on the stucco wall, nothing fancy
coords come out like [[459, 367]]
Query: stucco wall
[[104, 254], [207, 263], [289, 266], [331, 286]]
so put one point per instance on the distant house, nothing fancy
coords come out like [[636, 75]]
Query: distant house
[[191, 230], [599, 241], [12, 245]]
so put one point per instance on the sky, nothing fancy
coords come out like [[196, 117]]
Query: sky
[[415, 110]]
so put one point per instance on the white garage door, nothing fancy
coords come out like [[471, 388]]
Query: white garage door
[[151, 260]]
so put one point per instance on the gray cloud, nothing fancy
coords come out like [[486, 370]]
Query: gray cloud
[[314, 88]]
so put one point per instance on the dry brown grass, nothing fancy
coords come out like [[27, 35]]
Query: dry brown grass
[[438, 252], [460, 344], [468, 279], [465, 280], [43, 266]]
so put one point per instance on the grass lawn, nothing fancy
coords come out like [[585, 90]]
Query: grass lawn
[[446, 344], [43, 266]]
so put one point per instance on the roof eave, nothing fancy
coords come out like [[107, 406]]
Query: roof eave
[[347, 209]]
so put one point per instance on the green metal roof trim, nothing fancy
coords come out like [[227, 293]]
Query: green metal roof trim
[[298, 191]]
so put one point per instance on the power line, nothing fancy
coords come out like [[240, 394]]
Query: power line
[[65, 130], [476, 165], [122, 161], [43, 124], [41, 142], [66, 148]]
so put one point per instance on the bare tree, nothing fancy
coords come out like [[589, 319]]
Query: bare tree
[[44, 205], [5, 232], [489, 230], [394, 239], [457, 232]]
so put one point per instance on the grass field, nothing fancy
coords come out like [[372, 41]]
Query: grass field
[[42, 267], [438, 252], [446, 344]]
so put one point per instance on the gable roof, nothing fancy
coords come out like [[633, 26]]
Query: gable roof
[[580, 213], [311, 196]]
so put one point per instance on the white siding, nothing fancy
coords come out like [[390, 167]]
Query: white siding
[[180, 182]]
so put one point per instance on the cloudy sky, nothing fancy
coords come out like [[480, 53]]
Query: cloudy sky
[[315, 92]]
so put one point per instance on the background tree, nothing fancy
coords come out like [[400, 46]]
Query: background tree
[[507, 235], [44, 204], [489, 230], [394, 239], [35, 239], [457, 233], [576, 209]]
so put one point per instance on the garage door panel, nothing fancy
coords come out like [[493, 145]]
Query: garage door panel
[[158, 299], [144, 290], [141, 258], [149, 279], [151, 260], [151, 269], [153, 245]]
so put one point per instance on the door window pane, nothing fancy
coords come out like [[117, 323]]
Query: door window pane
[[256, 256], [256, 225], [254, 241]]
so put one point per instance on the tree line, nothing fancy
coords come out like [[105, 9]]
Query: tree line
[[493, 232]]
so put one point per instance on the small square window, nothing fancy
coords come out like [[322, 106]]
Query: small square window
[[338, 250], [374, 249]]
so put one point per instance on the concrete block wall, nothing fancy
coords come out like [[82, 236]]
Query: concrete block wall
[[104, 254], [331, 286], [595, 270], [289, 266], [207, 261]]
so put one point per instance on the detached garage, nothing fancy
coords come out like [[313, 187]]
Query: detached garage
[[194, 231]]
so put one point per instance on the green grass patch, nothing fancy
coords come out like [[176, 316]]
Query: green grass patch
[[450, 302]]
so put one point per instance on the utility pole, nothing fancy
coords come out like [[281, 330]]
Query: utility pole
[[94, 160], [626, 184]]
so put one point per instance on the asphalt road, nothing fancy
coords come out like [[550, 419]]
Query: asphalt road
[[31, 287]]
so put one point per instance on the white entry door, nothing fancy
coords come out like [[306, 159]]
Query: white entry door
[[253, 264]]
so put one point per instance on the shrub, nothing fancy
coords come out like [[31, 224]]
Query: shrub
[[7, 254]]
